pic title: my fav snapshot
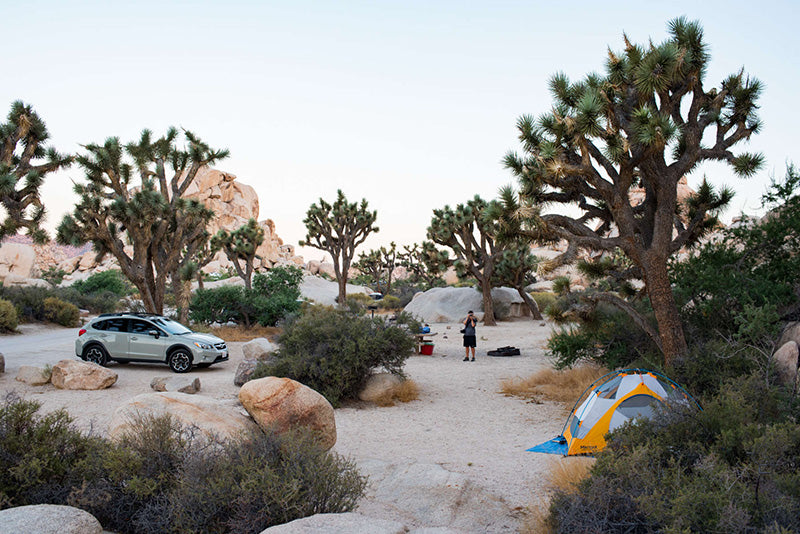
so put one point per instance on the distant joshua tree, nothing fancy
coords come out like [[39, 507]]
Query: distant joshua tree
[[338, 229], [22, 172], [240, 247]]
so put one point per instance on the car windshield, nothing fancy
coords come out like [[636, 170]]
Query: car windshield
[[172, 327]]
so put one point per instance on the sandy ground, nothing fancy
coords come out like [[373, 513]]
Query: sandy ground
[[460, 421]]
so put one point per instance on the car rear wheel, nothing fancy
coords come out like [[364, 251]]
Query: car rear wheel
[[180, 361], [95, 354]]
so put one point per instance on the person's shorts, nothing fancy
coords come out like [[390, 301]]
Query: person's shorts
[[470, 341]]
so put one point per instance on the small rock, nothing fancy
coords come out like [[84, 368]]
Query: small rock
[[282, 404], [73, 374], [181, 384], [244, 371], [33, 376], [257, 348], [378, 385], [48, 519]]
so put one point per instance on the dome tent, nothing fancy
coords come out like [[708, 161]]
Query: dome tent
[[613, 399]]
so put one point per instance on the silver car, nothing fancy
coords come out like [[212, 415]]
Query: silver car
[[141, 337]]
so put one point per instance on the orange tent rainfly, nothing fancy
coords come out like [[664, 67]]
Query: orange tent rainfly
[[613, 399]]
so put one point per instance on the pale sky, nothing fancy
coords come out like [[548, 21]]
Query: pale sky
[[409, 104]]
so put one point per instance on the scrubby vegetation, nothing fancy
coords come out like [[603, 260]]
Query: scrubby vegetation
[[565, 385], [273, 297], [405, 391], [731, 467], [8, 316], [30, 301], [162, 477], [110, 281], [334, 351], [57, 311]]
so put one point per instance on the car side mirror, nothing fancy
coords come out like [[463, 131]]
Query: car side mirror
[[154, 333]]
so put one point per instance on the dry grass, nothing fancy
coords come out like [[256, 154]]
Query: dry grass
[[548, 384], [240, 333], [405, 391], [564, 475]]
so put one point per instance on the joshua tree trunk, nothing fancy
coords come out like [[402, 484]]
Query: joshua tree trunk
[[536, 314], [670, 329]]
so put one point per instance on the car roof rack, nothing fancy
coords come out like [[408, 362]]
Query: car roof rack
[[135, 314]]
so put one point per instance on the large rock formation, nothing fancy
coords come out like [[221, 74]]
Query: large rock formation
[[451, 304], [16, 258]]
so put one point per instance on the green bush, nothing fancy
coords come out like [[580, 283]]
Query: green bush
[[163, 477], [274, 296], [729, 468], [44, 456], [543, 299], [333, 352], [57, 311], [390, 302], [112, 281], [29, 301], [8, 316], [53, 275]]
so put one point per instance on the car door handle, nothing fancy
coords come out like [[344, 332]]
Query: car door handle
[[134, 338]]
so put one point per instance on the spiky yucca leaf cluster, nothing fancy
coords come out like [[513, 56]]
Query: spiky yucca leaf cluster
[[24, 163]]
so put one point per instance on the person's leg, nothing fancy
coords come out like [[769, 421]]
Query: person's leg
[[473, 354], [466, 351]]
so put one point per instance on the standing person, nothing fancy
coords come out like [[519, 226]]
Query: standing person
[[469, 335]]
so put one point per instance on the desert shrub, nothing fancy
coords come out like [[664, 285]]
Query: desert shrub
[[29, 301], [218, 305], [333, 352], [53, 275], [405, 391], [565, 385], [274, 296], [43, 455], [57, 311], [8, 316], [543, 299], [100, 302], [390, 302], [164, 477], [359, 300], [603, 335], [728, 468], [111, 280]]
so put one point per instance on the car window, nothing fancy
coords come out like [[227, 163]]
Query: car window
[[140, 327], [171, 326], [99, 325], [115, 325]]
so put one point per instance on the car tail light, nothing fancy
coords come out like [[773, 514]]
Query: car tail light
[[81, 332]]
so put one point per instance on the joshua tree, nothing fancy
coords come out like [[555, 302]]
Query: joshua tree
[[425, 263], [646, 122], [240, 247], [379, 266], [515, 268], [470, 234], [136, 212], [22, 147], [338, 229]]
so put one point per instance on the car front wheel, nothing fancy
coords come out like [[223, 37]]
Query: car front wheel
[[180, 361], [95, 354]]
